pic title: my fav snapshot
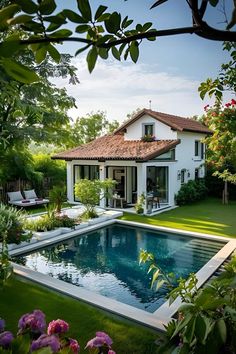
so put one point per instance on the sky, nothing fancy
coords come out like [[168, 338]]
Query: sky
[[168, 72]]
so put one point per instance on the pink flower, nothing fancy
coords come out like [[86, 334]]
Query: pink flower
[[74, 346], [111, 352], [206, 107], [107, 340], [57, 327]]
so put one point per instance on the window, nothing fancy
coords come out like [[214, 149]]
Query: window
[[199, 149], [148, 129], [182, 178], [169, 155]]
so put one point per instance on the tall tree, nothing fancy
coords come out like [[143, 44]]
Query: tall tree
[[36, 111], [86, 129], [100, 33]]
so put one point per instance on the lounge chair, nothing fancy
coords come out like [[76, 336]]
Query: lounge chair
[[17, 199]]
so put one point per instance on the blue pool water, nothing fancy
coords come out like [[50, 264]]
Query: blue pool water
[[105, 261]]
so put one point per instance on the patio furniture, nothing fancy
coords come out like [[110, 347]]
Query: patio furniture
[[121, 200], [17, 199]]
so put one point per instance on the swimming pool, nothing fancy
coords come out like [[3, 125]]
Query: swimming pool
[[105, 261]]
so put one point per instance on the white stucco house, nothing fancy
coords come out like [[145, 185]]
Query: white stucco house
[[158, 167]]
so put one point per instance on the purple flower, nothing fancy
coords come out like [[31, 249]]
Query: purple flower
[[5, 339], [46, 341], [57, 327], [2, 325], [107, 340], [100, 340], [74, 346], [35, 322], [111, 352]]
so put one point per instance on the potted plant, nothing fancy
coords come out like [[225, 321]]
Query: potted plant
[[139, 206]]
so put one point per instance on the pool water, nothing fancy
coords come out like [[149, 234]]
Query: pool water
[[105, 261]]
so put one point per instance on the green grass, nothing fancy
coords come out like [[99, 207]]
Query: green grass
[[20, 296], [42, 208], [208, 216]]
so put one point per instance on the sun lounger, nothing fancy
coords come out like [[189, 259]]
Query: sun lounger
[[17, 199]]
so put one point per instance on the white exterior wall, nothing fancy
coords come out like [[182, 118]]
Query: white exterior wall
[[161, 131], [185, 157]]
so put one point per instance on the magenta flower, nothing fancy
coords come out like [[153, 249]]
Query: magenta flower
[[74, 346], [100, 340], [5, 339], [57, 327], [34, 322], [2, 325], [111, 352], [46, 341]]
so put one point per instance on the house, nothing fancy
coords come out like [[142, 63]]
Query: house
[[151, 153]]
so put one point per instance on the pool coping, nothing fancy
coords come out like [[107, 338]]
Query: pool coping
[[159, 318]]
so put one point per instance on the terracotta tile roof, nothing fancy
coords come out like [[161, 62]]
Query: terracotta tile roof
[[114, 147], [175, 122]]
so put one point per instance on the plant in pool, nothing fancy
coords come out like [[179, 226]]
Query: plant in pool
[[91, 192], [34, 336]]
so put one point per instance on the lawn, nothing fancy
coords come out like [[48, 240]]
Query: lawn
[[208, 216], [20, 296]]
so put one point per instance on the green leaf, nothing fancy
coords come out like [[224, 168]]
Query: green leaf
[[56, 56], [92, 58], [115, 53], [82, 49], [221, 330], [126, 22], [46, 7], [74, 17], [103, 17], [19, 72], [134, 51], [181, 324], [122, 47], [7, 13], [10, 47], [40, 54], [103, 53], [213, 2], [101, 9], [61, 33], [159, 284], [82, 28], [113, 23], [147, 26], [85, 9], [28, 6], [58, 19], [157, 3], [20, 19]]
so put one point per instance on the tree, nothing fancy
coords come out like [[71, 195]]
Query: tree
[[86, 129], [221, 153], [27, 113], [226, 80], [91, 192], [100, 34]]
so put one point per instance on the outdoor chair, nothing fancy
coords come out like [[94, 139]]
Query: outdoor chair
[[29, 199]]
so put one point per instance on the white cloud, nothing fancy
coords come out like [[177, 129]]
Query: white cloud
[[120, 88]]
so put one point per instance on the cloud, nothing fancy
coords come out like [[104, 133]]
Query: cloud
[[120, 88]]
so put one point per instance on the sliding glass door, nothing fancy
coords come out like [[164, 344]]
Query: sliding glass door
[[157, 182]]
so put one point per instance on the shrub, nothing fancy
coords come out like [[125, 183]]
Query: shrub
[[57, 196], [191, 192], [49, 222], [15, 232], [34, 335]]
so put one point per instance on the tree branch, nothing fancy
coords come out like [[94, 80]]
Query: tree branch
[[200, 28]]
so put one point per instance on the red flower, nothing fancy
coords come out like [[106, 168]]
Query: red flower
[[233, 102], [227, 105]]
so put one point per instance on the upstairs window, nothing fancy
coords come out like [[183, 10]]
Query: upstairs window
[[148, 129], [199, 149]]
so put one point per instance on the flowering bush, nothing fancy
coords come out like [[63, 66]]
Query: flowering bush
[[148, 138], [35, 336]]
